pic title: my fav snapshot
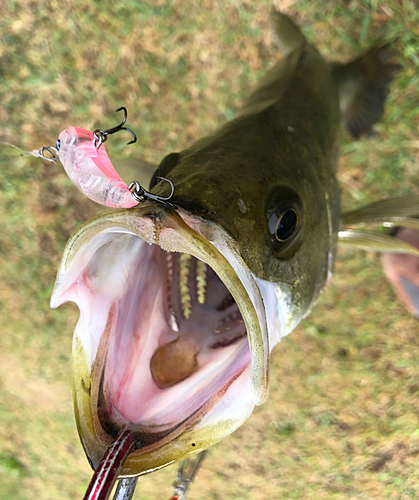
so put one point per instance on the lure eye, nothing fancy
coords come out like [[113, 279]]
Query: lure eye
[[285, 215]]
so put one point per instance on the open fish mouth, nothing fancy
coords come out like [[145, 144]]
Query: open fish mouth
[[172, 341]]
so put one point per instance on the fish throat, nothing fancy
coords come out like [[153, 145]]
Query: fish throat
[[173, 341]]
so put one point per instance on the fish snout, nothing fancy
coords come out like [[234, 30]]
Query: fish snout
[[172, 341]]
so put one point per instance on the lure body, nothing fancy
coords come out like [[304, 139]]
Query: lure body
[[91, 169]]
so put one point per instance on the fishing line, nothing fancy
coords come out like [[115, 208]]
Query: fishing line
[[85, 160], [35, 152]]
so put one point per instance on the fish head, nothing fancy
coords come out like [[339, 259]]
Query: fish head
[[274, 196], [162, 343], [181, 303]]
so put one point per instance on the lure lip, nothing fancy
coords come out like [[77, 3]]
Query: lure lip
[[182, 232], [109, 467]]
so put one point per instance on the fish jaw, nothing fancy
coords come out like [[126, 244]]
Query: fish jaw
[[110, 268]]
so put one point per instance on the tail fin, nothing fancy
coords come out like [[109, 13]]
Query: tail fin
[[363, 87]]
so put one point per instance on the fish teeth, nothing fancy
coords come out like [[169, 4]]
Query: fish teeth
[[229, 322], [227, 302], [173, 322], [169, 263], [201, 281], [185, 295], [169, 275]]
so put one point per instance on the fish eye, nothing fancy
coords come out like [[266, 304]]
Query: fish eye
[[287, 224], [285, 213]]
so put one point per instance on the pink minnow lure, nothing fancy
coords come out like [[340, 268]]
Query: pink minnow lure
[[91, 169]]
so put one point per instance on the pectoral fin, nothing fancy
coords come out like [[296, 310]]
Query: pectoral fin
[[376, 242], [400, 211]]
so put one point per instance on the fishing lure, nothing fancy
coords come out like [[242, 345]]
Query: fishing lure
[[106, 473], [109, 467], [85, 160]]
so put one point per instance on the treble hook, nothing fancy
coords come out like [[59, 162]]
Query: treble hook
[[101, 136], [140, 194]]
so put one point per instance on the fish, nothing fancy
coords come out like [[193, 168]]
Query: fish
[[181, 302]]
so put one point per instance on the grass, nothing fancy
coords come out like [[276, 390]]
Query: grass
[[342, 418]]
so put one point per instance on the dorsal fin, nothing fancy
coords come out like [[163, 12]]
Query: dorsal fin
[[363, 87], [287, 35]]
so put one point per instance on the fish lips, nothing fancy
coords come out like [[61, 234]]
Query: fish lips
[[97, 264]]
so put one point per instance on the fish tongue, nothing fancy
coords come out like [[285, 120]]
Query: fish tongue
[[174, 362]]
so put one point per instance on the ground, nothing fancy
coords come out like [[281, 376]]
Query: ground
[[342, 420]]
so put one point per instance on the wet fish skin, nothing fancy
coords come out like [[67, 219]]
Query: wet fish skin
[[285, 140]]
